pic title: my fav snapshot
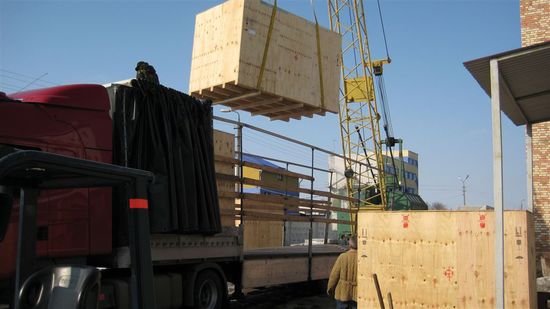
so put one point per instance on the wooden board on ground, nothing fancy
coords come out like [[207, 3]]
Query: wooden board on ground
[[444, 259], [224, 145], [228, 52]]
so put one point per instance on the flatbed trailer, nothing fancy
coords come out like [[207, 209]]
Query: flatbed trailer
[[189, 269]]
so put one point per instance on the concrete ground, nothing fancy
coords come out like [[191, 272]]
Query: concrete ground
[[300, 296], [311, 302]]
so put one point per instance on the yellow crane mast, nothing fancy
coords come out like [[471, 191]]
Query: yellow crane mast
[[359, 117]]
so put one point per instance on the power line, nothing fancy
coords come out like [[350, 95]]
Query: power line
[[14, 87], [20, 80], [36, 79], [28, 77]]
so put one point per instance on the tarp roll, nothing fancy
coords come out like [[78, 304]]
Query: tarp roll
[[170, 134]]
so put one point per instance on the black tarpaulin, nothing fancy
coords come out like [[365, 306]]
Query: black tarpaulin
[[170, 134]]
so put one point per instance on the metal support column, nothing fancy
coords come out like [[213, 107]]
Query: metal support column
[[529, 167], [497, 184], [286, 240], [26, 243], [310, 242], [143, 296], [328, 211], [241, 176]]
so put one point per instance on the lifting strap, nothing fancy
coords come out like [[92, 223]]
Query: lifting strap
[[319, 61], [266, 47]]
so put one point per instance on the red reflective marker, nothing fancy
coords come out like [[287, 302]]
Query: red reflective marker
[[139, 203]]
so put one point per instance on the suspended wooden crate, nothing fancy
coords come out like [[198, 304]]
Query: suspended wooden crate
[[245, 59], [444, 259]]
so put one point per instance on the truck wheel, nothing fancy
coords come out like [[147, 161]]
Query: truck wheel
[[209, 291]]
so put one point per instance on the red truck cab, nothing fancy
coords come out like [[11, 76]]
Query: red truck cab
[[71, 120]]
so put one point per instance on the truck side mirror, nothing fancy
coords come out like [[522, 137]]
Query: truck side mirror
[[6, 204]]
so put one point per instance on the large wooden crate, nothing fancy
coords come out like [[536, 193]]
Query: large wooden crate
[[444, 259], [228, 50]]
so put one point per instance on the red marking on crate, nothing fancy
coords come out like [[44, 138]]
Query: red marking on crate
[[482, 221], [139, 203], [405, 221], [449, 273]]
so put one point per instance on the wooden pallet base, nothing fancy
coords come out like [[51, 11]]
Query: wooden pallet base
[[239, 97]]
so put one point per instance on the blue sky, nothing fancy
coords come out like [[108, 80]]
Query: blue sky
[[436, 106]]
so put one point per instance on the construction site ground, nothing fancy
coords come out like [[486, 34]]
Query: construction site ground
[[299, 296]]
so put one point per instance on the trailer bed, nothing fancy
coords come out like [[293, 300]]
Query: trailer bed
[[282, 265]]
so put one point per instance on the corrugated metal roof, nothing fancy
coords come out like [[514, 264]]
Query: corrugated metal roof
[[526, 73]]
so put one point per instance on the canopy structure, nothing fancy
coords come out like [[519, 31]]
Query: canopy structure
[[523, 84], [518, 82]]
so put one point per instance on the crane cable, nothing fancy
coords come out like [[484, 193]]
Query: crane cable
[[383, 30], [388, 129]]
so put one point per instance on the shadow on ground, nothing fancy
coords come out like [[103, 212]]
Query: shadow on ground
[[298, 296]]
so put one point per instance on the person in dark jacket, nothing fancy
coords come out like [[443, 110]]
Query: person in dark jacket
[[342, 283]]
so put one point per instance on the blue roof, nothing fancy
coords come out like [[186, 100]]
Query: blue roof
[[258, 160], [260, 190]]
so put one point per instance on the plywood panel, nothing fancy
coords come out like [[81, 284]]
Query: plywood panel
[[273, 271], [224, 146], [228, 50], [443, 259], [262, 233], [265, 272]]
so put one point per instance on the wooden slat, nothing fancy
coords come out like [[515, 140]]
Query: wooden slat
[[278, 171], [264, 205], [267, 206], [247, 96], [226, 159], [282, 199], [224, 92], [277, 109], [209, 93], [316, 207], [235, 88], [262, 216], [244, 106], [273, 199], [263, 184], [226, 194], [270, 169]]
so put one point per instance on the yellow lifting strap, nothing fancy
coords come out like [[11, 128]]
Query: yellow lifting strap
[[319, 61], [266, 47]]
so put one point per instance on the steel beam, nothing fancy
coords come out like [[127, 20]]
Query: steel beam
[[497, 184]]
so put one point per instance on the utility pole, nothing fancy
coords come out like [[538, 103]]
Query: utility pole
[[464, 188]]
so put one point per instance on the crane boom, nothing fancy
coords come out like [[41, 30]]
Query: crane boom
[[359, 117]]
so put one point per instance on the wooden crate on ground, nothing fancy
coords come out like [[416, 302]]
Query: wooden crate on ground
[[224, 146], [444, 259], [228, 52]]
